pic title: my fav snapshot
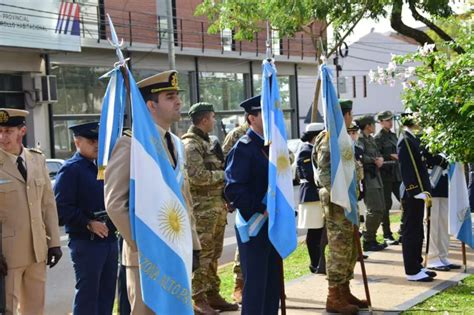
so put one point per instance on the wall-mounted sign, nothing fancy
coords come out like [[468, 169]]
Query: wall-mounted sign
[[46, 24]]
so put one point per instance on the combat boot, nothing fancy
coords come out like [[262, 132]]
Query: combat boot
[[335, 303], [239, 287], [345, 291], [202, 307], [217, 302], [373, 246]]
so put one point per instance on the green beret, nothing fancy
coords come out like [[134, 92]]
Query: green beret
[[386, 115], [365, 120], [200, 107], [345, 104], [352, 127]]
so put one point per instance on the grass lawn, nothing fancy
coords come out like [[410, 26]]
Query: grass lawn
[[458, 299]]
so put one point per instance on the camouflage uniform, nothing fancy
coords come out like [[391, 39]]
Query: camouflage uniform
[[341, 256], [373, 187], [391, 178], [232, 137], [206, 176]]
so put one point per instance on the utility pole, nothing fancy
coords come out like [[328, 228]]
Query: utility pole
[[171, 52]]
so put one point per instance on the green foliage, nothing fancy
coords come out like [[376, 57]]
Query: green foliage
[[444, 97]]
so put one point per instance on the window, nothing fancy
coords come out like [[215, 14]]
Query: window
[[283, 82], [224, 90], [11, 91]]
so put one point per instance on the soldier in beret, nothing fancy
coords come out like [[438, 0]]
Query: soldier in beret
[[161, 95], [373, 187], [92, 240], [205, 168], [28, 216], [341, 255]]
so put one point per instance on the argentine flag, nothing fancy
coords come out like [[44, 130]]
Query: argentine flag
[[343, 177], [279, 199], [111, 118], [460, 223], [158, 216]]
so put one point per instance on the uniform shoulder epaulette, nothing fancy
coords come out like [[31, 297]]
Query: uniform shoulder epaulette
[[127, 132], [35, 150], [245, 139]]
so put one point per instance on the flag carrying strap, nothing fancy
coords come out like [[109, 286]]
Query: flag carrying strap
[[412, 158]]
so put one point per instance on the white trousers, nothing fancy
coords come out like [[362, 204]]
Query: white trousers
[[439, 237]]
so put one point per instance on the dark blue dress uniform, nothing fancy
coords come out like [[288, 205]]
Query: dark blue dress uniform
[[246, 176], [413, 209], [316, 239], [78, 196]]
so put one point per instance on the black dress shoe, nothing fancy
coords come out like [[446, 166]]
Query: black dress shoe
[[440, 268], [425, 279], [432, 274], [454, 266]]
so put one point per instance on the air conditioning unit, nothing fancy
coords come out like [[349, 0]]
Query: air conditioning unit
[[45, 88]]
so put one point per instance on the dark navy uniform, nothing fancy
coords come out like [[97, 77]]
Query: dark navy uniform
[[78, 196], [316, 238], [413, 208], [246, 176]]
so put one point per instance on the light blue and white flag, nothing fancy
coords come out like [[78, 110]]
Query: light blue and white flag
[[460, 223], [343, 176], [111, 118], [279, 198], [158, 215]]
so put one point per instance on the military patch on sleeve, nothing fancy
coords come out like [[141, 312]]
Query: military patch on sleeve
[[35, 150], [127, 132], [245, 139]]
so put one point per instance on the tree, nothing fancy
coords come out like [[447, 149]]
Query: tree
[[247, 17], [441, 89]]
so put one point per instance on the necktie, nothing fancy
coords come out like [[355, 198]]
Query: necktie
[[21, 167], [170, 145]]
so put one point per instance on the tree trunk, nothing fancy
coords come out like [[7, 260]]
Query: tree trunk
[[398, 25], [434, 27]]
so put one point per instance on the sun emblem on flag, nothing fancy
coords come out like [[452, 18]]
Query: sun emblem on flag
[[171, 221], [282, 163], [346, 153], [277, 104]]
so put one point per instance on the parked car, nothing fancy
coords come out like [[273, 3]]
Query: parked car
[[53, 167]]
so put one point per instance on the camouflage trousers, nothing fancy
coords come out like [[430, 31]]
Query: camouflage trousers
[[341, 254], [236, 268], [211, 218]]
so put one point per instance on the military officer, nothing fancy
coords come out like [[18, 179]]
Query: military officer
[[246, 177], [310, 212], [415, 194], [206, 180], [437, 166], [373, 186], [342, 254], [28, 215], [390, 171], [230, 140], [161, 94], [92, 240]]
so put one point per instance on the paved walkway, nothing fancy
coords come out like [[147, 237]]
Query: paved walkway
[[389, 290]]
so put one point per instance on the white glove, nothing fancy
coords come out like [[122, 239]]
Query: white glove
[[423, 195]]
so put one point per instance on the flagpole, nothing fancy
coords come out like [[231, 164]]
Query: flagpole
[[464, 258], [362, 266]]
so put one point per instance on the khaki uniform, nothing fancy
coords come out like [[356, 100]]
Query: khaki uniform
[[230, 140], [391, 176], [342, 254], [373, 187], [206, 179], [30, 226], [116, 187]]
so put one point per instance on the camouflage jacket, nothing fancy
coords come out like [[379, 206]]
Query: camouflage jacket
[[205, 170], [321, 155], [372, 178], [233, 136]]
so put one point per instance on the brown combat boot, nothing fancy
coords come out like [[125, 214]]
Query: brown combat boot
[[239, 287], [202, 307], [217, 302], [335, 303], [345, 291]]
